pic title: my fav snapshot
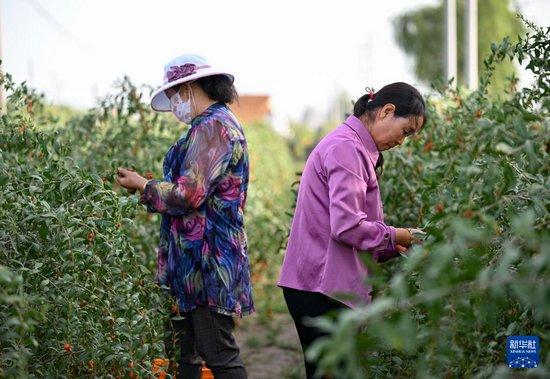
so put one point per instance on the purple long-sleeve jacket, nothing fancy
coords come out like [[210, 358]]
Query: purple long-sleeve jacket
[[338, 216]]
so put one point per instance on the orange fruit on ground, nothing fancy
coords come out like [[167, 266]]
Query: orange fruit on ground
[[206, 373]]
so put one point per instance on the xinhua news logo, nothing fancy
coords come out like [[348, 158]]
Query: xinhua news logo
[[522, 351]]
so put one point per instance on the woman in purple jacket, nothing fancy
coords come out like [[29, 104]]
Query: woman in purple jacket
[[339, 211]]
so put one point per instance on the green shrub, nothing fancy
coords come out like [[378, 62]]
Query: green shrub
[[83, 302]]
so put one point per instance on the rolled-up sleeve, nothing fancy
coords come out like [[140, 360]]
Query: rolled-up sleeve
[[347, 179]]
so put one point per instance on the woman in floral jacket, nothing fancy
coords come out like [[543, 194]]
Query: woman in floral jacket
[[202, 255]]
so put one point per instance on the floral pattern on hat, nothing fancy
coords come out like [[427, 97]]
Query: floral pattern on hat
[[178, 72]]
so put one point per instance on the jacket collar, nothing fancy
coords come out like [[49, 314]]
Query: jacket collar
[[357, 126]]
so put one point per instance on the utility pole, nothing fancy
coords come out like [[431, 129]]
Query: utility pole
[[470, 31], [450, 41]]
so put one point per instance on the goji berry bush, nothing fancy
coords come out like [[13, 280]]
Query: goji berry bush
[[78, 297]]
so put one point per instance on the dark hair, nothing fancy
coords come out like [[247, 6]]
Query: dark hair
[[407, 100], [218, 88]]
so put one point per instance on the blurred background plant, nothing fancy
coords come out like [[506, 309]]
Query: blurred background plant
[[417, 33]]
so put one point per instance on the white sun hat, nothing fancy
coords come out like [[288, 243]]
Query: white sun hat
[[182, 69]]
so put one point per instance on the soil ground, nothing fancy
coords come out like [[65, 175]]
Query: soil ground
[[270, 349]]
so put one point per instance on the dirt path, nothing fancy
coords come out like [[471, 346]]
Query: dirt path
[[270, 350]]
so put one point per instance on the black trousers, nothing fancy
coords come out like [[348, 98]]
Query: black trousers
[[304, 304], [204, 334]]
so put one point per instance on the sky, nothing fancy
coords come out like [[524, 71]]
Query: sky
[[301, 53]]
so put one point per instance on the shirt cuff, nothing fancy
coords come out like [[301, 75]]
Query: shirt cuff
[[148, 194], [390, 251]]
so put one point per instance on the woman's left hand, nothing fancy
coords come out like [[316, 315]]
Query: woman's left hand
[[130, 179]]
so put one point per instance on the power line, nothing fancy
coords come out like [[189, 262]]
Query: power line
[[53, 22]]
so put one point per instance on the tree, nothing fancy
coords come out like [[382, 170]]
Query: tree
[[420, 35]]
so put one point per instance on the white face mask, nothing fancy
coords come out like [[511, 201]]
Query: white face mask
[[181, 109]]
